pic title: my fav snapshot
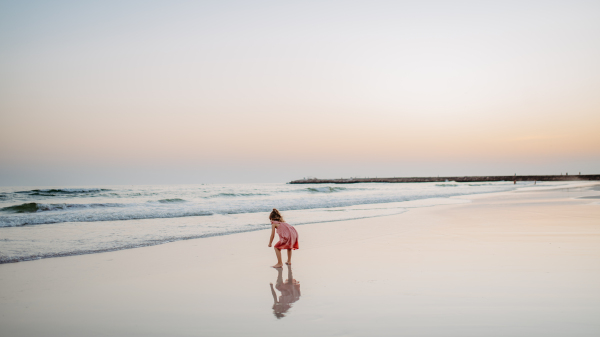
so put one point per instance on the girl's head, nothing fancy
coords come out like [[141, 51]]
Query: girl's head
[[275, 215]]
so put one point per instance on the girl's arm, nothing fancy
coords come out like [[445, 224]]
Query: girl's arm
[[272, 234]]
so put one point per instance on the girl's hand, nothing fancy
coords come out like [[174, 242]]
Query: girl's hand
[[269, 245]]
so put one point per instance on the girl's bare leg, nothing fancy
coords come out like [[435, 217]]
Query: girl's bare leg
[[279, 263], [289, 261]]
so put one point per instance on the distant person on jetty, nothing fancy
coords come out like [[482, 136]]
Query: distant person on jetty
[[288, 237]]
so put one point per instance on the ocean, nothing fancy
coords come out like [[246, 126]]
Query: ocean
[[55, 221]]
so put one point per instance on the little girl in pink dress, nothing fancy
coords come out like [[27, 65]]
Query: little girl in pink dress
[[288, 237]]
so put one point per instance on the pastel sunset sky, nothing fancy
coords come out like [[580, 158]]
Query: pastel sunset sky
[[152, 92]]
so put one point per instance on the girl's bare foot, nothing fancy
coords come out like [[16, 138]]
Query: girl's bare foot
[[288, 263], [277, 266]]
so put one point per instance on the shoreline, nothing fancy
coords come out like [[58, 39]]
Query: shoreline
[[516, 263]]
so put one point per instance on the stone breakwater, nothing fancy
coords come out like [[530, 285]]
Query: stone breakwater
[[464, 179]]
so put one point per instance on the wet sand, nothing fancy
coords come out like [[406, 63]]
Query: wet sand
[[522, 263]]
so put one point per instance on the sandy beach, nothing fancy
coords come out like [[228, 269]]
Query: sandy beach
[[519, 263], [439, 161]]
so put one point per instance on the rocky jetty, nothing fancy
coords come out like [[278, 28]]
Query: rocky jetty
[[442, 179]]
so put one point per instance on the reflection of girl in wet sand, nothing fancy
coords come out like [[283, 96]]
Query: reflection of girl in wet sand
[[288, 237], [290, 293]]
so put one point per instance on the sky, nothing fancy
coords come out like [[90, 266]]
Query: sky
[[177, 92]]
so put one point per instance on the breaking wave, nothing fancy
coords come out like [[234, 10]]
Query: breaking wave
[[91, 215], [33, 207], [166, 201], [325, 189], [51, 192]]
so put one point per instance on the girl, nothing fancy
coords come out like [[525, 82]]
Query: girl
[[288, 237]]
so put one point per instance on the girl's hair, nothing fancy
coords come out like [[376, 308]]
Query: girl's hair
[[275, 215]]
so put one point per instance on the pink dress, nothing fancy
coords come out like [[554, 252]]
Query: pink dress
[[288, 237]]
